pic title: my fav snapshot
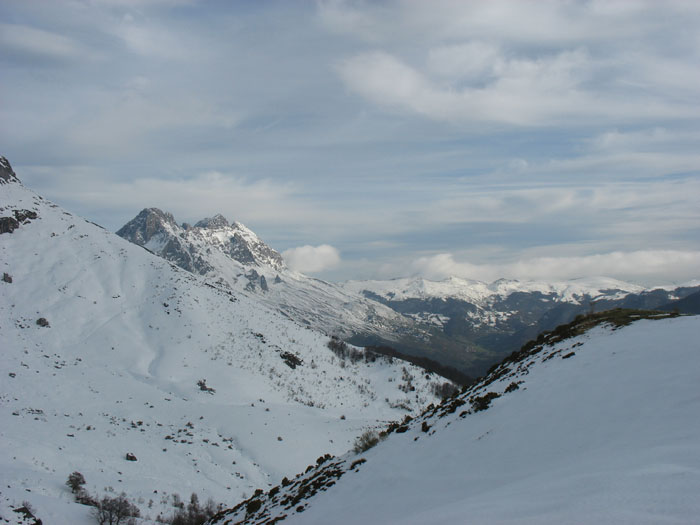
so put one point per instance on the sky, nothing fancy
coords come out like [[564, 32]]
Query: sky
[[541, 140]]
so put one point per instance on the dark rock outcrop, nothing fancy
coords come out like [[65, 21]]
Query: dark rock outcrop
[[216, 222], [24, 215], [8, 224], [188, 246], [7, 174], [148, 223]]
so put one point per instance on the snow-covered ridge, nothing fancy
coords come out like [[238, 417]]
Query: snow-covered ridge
[[109, 350], [479, 292], [599, 427]]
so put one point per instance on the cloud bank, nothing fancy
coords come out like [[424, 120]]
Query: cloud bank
[[312, 259], [641, 266]]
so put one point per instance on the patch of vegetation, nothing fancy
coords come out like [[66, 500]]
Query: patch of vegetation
[[202, 384], [357, 463], [113, 510], [253, 506], [511, 388], [427, 364], [194, 513], [371, 353], [365, 441], [27, 513], [291, 360], [444, 390], [480, 403], [75, 481]]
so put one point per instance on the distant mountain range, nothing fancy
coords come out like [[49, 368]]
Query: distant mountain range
[[496, 319], [464, 324]]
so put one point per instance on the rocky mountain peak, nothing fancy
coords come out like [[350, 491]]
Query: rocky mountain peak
[[7, 174], [149, 222], [216, 222], [192, 248]]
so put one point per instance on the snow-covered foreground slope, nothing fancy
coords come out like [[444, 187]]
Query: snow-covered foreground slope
[[599, 428], [103, 347]]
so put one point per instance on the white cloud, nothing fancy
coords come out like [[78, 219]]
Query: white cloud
[[150, 40], [32, 41], [641, 265], [524, 63], [140, 3], [123, 120], [471, 60], [642, 140], [253, 202], [550, 89], [311, 259]]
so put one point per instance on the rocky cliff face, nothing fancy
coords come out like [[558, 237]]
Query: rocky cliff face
[[7, 175], [187, 245]]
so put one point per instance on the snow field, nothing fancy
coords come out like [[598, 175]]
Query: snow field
[[116, 372]]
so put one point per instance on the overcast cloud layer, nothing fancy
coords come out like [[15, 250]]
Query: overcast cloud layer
[[520, 139]]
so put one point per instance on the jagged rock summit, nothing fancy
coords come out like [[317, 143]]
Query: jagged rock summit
[[218, 221], [147, 224], [7, 174], [185, 245]]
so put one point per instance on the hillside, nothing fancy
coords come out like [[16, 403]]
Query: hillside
[[109, 350], [595, 423]]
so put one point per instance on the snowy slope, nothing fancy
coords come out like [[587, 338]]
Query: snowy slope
[[115, 370], [599, 428]]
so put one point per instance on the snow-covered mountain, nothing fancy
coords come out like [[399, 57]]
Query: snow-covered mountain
[[464, 324], [232, 256], [479, 292], [109, 351], [493, 319], [596, 426]]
